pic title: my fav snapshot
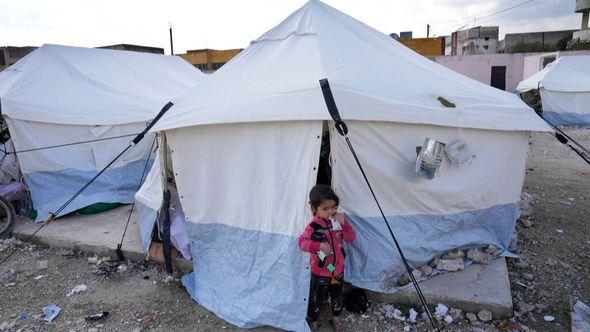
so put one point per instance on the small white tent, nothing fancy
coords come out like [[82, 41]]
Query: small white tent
[[60, 95], [564, 87], [245, 148]]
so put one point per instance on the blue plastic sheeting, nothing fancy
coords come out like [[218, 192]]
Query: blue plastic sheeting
[[49, 190], [147, 220], [567, 119], [249, 278], [372, 258]]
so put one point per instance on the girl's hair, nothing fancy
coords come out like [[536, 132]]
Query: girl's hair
[[321, 193]]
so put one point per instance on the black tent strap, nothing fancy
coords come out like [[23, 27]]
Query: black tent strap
[[585, 149], [343, 130]]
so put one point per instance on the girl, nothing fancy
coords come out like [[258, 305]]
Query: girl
[[323, 239]]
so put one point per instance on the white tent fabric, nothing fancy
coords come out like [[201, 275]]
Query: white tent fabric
[[564, 86], [60, 95], [245, 148]]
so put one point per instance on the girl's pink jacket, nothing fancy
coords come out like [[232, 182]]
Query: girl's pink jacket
[[337, 259]]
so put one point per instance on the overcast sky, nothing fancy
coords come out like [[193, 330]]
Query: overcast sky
[[224, 24]]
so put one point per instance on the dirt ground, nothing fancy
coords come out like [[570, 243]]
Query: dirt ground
[[554, 271]]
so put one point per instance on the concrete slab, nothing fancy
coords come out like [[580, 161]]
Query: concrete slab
[[476, 288], [99, 233]]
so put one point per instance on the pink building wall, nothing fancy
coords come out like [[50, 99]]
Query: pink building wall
[[519, 66]]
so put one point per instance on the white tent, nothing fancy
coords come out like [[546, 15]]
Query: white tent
[[245, 148], [564, 87], [60, 95]]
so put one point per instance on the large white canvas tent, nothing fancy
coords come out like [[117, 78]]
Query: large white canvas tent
[[244, 151], [60, 94], [564, 87]]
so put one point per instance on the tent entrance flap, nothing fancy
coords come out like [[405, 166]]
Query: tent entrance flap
[[324, 164]]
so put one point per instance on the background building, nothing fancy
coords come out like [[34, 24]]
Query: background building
[[478, 40], [425, 46], [11, 54], [543, 41], [208, 60], [583, 6], [135, 48]]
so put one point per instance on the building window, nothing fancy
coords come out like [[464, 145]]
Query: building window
[[201, 66], [485, 47], [218, 65], [486, 38]]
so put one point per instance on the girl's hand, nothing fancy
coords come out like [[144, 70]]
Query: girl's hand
[[325, 247], [340, 218]]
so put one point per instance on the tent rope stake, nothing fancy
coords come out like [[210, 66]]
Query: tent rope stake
[[343, 131], [134, 142]]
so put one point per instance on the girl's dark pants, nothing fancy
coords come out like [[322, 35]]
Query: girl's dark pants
[[318, 293]]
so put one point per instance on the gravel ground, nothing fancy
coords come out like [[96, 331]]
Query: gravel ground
[[554, 246]]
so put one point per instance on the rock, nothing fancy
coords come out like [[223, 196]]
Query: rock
[[541, 306], [405, 279], [484, 315], [453, 254], [451, 264], [521, 265], [525, 204], [551, 262], [524, 307], [78, 289], [122, 268], [526, 222], [478, 256], [92, 329], [7, 326], [426, 270], [456, 314], [528, 276], [471, 317], [93, 260], [417, 273], [549, 318], [448, 319], [42, 265], [491, 249], [564, 265]]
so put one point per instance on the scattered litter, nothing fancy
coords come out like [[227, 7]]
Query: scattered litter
[[566, 202], [549, 318], [78, 289], [97, 316], [448, 319], [560, 231], [39, 277], [23, 317], [93, 260], [168, 280], [122, 268], [50, 312], [365, 316], [580, 317], [441, 310], [10, 284], [397, 314], [413, 315]]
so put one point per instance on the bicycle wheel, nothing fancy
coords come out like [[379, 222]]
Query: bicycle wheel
[[7, 217]]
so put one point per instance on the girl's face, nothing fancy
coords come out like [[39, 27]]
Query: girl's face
[[326, 209]]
